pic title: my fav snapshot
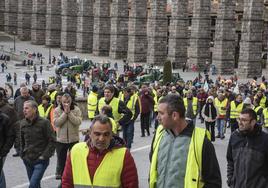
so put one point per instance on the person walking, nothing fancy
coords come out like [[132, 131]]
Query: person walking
[[92, 102], [147, 105], [121, 114], [234, 110], [210, 114], [15, 78], [191, 106], [221, 103], [202, 97], [181, 154], [37, 143], [67, 119], [41, 68], [92, 163], [131, 100], [247, 153], [7, 138], [35, 77]]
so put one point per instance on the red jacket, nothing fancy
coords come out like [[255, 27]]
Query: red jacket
[[129, 175]]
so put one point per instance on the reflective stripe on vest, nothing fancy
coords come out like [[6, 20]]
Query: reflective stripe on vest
[[221, 104], [92, 102], [265, 114], [235, 110], [194, 104], [108, 174], [42, 112], [193, 176], [114, 104], [256, 109]]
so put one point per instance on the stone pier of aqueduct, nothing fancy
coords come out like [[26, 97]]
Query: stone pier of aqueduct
[[226, 33]]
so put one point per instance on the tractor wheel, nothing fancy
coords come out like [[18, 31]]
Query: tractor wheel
[[65, 71]]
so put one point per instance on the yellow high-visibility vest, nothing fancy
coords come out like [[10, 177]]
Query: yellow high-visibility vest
[[194, 103], [265, 114], [114, 126], [221, 104], [155, 100], [263, 102], [52, 96], [235, 110], [108, 174], [92, 101], [42, 112], [194, 159], [114, 104], [256, 109]]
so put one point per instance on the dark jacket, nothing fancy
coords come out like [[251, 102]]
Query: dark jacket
[[37, 95], [147, 102], [18, 105], [37, 139], [129, 176], [247, 159], [122, 109], [7, 134], [13, 121]]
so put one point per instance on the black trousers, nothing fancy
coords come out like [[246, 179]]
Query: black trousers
[[210, 126], [62, 150], [233, 124], [145, 122]]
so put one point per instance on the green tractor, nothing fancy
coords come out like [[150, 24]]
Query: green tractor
[[80, 68]]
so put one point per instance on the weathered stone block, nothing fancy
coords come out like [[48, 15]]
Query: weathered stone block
[[68, 24], [24, 19], [53, 23], [102, 28], [38, 32], [119, 29], [85, 25], [11, 16]]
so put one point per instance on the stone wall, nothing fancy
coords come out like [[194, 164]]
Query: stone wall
[[178, 33], [224, 43], [38, 32], [2, 15], [137, 37], [24, 19], [251, 41], [102, 28], [53, 23], [157, 36], [11, 16], [119, 29], [199, 50], [68, 24], [85, 24]]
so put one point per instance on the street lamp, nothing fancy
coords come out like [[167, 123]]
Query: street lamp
[[49, 52], [14, 40]]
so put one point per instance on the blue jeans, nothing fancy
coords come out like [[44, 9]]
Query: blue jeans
[[2, 175], [128, 133], [220, 126], [35, 171]]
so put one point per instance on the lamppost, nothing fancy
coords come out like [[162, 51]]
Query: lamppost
[[49, 52], [14, 40]]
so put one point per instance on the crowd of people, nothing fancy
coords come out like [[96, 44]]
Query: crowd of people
[[46, 118]]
